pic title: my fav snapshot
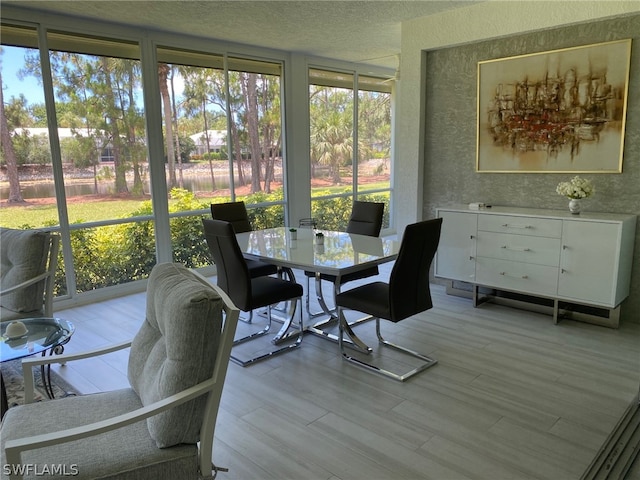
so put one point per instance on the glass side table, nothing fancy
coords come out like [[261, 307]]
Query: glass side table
[[42, 335]]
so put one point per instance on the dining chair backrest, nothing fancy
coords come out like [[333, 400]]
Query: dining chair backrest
[[234, 213], [409, 291], [366, 218], [233, 273]]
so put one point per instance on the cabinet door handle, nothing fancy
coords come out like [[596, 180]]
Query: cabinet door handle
[[525, 276], [515, 225], [503, 273]]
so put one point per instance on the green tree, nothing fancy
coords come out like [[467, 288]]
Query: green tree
[[8, 153], [163, 73], [98, 95], [198, 96], [331, 118]]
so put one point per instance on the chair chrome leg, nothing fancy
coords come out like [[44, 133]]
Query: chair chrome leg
[[354, 341], [282, 334], [427, 361], [292, 346], [254, 335], [247, 320]]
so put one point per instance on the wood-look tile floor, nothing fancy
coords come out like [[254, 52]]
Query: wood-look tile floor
[[513, 396]]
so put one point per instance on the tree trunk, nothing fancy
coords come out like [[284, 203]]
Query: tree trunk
[[118, 163], [251, 99], [237, 153], [163, 70], [206, 138], [15, 195], [268, 159], [177, 135], [138, 186]]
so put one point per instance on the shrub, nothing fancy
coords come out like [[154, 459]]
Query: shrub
[[115, 254]]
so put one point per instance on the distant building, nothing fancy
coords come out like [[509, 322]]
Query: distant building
[[106, 155], [217, 141]]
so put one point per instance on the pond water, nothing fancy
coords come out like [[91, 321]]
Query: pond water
[[45, 189]]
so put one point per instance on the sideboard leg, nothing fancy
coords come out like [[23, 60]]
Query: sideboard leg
[[614, 317]]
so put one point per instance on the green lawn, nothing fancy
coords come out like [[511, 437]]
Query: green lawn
[[35, 216]]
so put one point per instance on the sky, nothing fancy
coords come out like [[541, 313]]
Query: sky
[[12, 60]]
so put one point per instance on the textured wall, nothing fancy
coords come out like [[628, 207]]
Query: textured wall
[[450, 135]]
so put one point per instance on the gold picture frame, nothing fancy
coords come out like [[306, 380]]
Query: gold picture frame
[[561, 111]]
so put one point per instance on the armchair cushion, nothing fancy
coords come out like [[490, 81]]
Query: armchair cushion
[[182, 318], [137, 454], [23, 256]]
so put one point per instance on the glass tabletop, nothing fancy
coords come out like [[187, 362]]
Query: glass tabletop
[[340, 252], [42, 334]]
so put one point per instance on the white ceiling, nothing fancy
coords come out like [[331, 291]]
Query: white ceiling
[[353, 31]]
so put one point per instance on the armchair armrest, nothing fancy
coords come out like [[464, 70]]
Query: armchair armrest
[[25, 284], [14, 448], [29, 363]]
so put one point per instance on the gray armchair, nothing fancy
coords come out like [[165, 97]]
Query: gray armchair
[[28, 261], [177, 366]]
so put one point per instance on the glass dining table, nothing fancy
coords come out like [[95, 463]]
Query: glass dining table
[[340, 253]]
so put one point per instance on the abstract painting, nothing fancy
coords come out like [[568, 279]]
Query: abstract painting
[[554, 112]]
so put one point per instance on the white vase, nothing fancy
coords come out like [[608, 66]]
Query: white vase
[[575, 206]]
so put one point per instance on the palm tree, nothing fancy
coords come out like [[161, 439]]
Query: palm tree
[[332, 143]]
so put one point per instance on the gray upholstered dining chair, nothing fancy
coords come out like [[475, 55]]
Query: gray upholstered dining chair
[[249, 293], [365, 219], [162, 427], [406, 294], [28, 261]]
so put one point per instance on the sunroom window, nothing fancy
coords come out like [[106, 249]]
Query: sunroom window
[[350, 139]]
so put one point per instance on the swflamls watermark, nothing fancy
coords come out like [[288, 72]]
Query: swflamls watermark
[[41, 470]]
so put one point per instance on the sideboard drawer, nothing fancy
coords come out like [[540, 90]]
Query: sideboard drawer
[[517, 276], [520, 248], [538, 227]]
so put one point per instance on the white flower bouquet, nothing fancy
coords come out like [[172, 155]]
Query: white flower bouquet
[[576, 188]]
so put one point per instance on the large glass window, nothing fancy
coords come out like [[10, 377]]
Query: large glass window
[[350, 144], [75, 148], [222, 138], [97, 86], [25, 153], [373, 171], [27, 189], [101, 192]]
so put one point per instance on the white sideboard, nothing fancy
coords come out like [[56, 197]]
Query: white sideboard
[[580, 259]]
